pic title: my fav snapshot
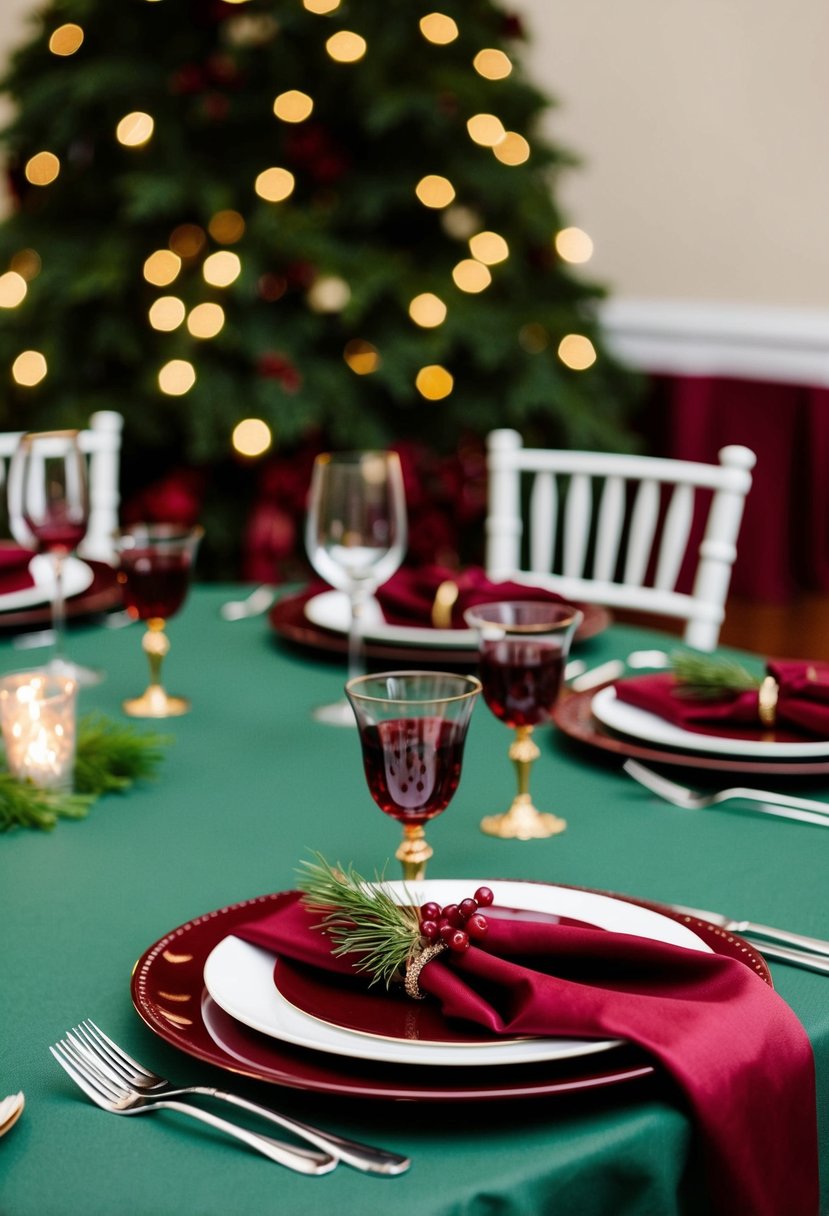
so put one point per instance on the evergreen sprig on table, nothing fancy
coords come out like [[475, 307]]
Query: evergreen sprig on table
[[361, 917], [703, 677], [110, 757]]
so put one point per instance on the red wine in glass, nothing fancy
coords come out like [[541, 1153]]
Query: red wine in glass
[[57, 535], [521, 680], [412, 766], [154, 585]]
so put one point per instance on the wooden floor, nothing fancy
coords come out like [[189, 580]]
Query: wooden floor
[[799, 630]]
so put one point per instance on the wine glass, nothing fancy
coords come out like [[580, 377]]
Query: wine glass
[[48, 495], [355, 537], [412, 728], [522, 649], [155, 565]]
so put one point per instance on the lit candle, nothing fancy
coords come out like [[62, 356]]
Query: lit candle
[[38, 719]]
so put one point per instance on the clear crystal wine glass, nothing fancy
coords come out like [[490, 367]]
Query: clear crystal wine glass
[[48, 497], [155, 565], [355, 537], [413, 728], [522, 649]]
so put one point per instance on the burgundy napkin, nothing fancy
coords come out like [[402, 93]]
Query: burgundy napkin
[[734, 1048], [14, 569], [802, 700], [408, 596]]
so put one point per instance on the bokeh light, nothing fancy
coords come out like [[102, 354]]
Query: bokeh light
[[42, 168], [293, 106], [361, 356], [533, 338], [573, 245], [513, 149], [576, 352], [492, 64], [167, 313], [162, 267], [221, 268], [176, 377], [27, 263], [134, 129], [29, 368], [226, 227], [12, 289], [328, 293], [438, 28], [427, 310], [206, 320], [489, 248], [434, 382], [346, 47], [251, 437], [460, 222], [321, 6], [485, 129], [275, 184], [187, 240], [66, 39], [435, 191], [471, 276]]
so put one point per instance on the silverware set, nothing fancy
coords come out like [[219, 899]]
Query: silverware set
[[119, 1084]]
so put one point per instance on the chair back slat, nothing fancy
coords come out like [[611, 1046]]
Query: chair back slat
[[642, 532], [676, 530], [543, 522], [609, 529], [577, 516]]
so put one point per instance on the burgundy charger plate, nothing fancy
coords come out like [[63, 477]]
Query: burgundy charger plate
[[169, 995], [574, 717], [288, 620], [102, 595]]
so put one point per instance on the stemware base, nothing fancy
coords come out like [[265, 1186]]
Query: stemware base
[[523, 821], [155, 703], [339, 713]]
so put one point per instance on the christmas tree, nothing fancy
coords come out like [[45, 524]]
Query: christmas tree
[[257, 228]]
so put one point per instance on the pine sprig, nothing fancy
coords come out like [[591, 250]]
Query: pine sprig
[[361, 918], [112, 756], [23, 804], [705, 678]]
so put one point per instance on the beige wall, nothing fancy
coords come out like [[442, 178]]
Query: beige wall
[[702, 127]]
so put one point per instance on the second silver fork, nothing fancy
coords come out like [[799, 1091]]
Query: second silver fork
[[114, 1061]]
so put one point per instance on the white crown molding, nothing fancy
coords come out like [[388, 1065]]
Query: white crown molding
[[690, 338]]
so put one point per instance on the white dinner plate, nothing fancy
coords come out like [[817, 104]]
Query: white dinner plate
[[331, 610], [239, 978], [641, 725], [77, 576]]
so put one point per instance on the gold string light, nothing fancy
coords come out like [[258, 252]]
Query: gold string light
[[176, 377], [328, 293], [492, 64], [166, 313], [573, 245], [274, 185], [162, 267], [221, 268], [13, 289], [29, 368], [438, 28], [206, 320], [321, 6], [471, 276], [485, 129], [42, 168], [27, 263], [460, 222], [346, 47], [513, 149], [435, 191], [293, 106], [489, 248], [427, 310], [576, 352], [66, 39], [134, 129], [187, 240], [361, 356], [226, 227], [251, 437], [434, 382]]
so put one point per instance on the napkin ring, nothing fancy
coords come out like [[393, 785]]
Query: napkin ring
[[767, 700], [415, 967], [443, 603]]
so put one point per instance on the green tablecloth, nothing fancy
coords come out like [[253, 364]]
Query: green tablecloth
[[250, 785]]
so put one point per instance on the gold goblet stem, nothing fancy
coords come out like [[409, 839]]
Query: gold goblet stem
[[154, 702], [413, 853], [523, 821]]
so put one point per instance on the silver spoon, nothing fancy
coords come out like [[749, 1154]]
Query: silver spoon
[[11, 1108], [255, 604]]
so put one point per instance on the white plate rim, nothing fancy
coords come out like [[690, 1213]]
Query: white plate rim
[[639, 724], [330, 610], [239, 978], [77, 576]]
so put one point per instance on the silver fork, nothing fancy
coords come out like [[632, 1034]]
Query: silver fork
[[255, 604], [114, 1062], [784, 806], [120, 1100]]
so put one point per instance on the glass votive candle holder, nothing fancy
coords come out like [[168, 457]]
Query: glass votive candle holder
[[37, 712]]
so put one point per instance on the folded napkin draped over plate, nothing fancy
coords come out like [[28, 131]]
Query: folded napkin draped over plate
[[802, 700], [14, 569], [408, 598], [735, 1049]]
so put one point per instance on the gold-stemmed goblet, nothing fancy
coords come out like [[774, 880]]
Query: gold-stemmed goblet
[[522, 649], [155, 564], [412, 727]]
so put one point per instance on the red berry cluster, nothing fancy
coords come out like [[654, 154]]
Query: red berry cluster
[[456, 924]]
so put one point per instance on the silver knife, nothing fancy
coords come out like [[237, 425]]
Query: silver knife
[[800, 942]]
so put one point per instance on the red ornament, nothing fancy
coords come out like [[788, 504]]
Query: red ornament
[[274, 366]]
